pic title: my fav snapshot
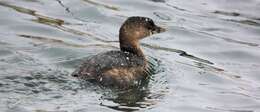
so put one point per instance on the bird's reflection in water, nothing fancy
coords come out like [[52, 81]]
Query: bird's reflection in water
[[128, 100]]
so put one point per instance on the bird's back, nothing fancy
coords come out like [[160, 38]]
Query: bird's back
[[114, 68]]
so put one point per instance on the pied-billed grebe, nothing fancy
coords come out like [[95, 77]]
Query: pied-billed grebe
[[127, 67]]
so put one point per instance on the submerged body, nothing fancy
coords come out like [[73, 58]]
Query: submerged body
[[125, 68], [114, 68]]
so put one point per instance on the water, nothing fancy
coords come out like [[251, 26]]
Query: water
[[207, 61]]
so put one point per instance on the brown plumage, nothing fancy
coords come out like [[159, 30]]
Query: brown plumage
[[125, 68]]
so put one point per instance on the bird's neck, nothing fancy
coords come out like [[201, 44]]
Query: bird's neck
[[131, 46]]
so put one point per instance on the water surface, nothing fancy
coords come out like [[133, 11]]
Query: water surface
[[207, 61]]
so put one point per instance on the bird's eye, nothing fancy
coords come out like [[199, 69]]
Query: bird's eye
[[150, 25]]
